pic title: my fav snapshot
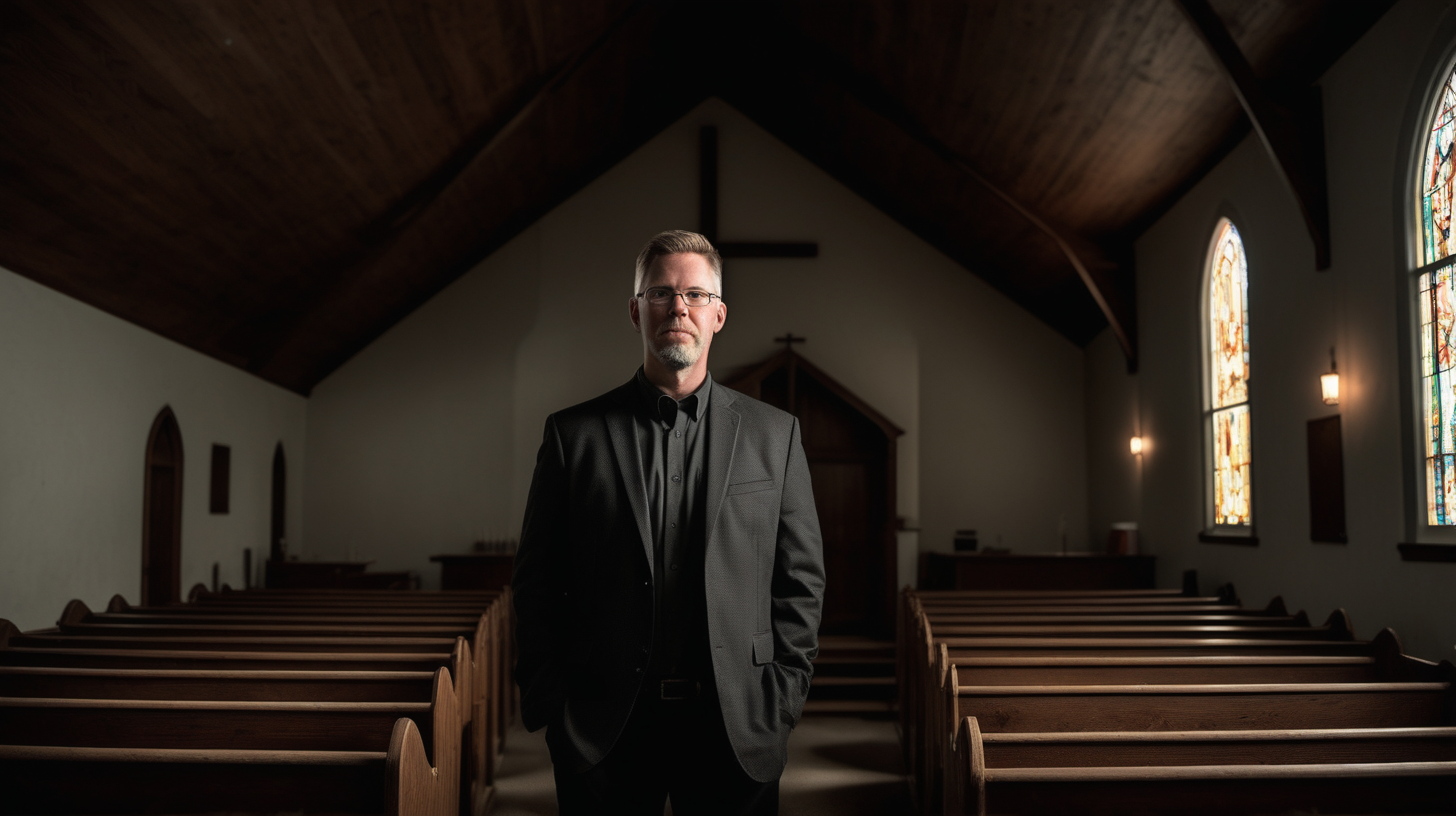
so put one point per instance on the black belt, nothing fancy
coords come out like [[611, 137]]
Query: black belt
[[680, 688]]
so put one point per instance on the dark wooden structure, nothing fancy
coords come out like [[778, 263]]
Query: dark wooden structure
[[474, 570], [969, 570], [1162, 702], [851, 451], [311, 574], [315, 189], [338, 701]]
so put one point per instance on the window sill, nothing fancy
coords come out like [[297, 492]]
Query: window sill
[[1427, 552], [1224, 538]]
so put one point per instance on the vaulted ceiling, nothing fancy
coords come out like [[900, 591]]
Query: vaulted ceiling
[[276, 183]]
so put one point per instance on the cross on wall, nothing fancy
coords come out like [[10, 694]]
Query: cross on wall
[[708, 211]]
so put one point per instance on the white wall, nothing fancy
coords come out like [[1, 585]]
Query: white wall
[[1295, 315], [79, 390], [426, 440]]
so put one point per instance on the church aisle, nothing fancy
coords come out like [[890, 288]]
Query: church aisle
[[842, 765]]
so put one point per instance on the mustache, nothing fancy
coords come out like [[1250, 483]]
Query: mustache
[[683, 327]]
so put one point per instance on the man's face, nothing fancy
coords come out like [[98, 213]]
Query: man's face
[[676, 335]]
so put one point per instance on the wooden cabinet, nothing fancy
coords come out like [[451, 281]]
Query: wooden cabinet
[[475, 570], [1041, 571]]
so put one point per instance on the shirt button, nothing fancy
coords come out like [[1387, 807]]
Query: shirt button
[[674, 566], [677, 433], [673, 525], [677, 478]]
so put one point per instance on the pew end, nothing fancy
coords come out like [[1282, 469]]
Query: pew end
[[117, 604], [1228, 595], [75, 612], [1190, 583], [8, 630], [1340, 626], [412, 786], [198, 592], [1276, 607]]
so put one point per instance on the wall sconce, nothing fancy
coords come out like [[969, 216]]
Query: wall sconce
[[1330, 383], [1136, 445]]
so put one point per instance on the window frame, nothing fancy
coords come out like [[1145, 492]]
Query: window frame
[[1212, 532], [1437, 68]]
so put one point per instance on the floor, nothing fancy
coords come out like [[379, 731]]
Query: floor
[[841, 765]]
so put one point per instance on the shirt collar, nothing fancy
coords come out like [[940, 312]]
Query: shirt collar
[[664, 408]]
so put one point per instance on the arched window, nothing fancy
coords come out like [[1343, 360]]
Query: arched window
[[1228, 463], [1436, 308]]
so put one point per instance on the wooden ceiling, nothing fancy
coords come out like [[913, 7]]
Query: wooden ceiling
[[275, 183]]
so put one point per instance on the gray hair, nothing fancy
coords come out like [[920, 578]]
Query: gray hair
[[673, 242]]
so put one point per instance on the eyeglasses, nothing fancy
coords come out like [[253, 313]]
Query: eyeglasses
[[693, 298]]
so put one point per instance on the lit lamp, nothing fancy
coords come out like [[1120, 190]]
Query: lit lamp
[[1136, 445], [1330, 383]]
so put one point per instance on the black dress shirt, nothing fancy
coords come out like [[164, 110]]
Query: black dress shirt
[[673, 445]]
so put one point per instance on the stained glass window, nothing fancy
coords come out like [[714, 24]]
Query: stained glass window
[[1437, 309], [1230, 459], [1436, 185], [1438, 393]]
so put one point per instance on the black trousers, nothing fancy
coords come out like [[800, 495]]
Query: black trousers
[[674, 749]]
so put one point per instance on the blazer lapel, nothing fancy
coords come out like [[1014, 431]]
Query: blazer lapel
[[629, 464], [722, 430]]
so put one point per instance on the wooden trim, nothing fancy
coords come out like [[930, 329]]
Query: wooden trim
[[1292, 136], [752, 378], [1222, 538], [1427, 552], [1108, 277]]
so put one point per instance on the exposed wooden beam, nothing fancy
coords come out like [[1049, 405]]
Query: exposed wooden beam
[[1108, 280], [1292, 135], [274, 352]]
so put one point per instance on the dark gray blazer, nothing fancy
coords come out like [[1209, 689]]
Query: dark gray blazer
[[583, 576]]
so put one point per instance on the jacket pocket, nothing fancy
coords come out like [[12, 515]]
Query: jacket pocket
[[763, 648], [750, 487]]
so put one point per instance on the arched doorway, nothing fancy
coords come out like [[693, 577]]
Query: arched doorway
[[851, 452], [277, 547], [162, 513]]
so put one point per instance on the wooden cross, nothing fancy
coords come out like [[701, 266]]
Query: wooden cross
[[789, 340], [708, 211]]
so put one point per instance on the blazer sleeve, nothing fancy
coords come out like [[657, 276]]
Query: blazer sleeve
[[537, 586], [798, 576]]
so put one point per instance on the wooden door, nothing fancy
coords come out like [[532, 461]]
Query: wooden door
[[851, 463], [162, 513]]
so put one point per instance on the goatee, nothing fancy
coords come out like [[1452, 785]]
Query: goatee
[[678, 356]]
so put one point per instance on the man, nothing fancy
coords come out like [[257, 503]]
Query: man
[[670, 575]]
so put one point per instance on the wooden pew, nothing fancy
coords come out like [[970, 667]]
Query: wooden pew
[[1382, 659], [924, 717], [1231, 772], [480, 711], [122, 756], [1195, 707], [494, 652], [1337, 627], [218, 685], [78, 621]]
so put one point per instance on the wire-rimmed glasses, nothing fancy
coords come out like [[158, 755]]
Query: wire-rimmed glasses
[[692, 298]]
